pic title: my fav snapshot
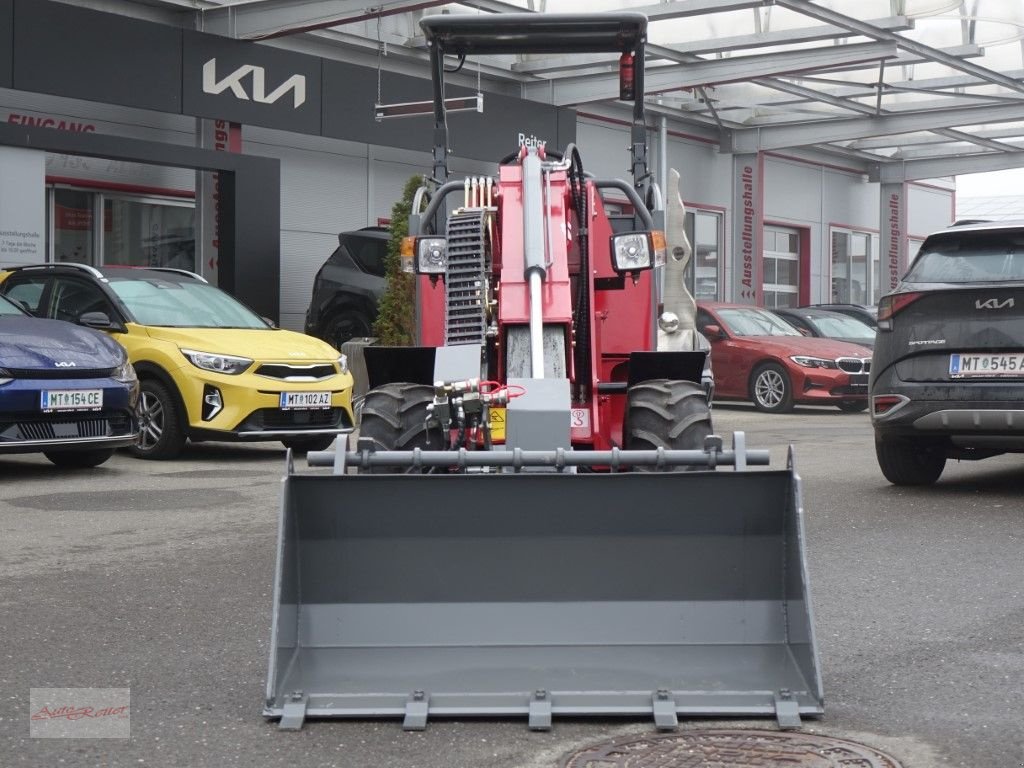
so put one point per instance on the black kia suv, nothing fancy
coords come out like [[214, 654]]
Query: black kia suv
[[348, 286], [947, 375]]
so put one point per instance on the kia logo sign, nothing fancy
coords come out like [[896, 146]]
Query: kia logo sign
[[993, 304], [235, 82]]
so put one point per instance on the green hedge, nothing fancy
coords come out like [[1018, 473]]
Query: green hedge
[[395, 325]]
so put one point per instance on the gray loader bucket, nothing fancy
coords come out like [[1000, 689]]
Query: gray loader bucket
[[638, 594]]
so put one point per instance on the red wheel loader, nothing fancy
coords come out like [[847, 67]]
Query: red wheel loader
[[531, 522]]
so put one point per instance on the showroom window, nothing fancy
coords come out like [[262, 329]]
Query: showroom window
[[856, 272], [704, 230], [781, 276], [142, 231]]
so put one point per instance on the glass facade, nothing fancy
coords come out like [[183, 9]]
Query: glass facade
[[856, 272], [704, 230], [135, 231], [781, 267]]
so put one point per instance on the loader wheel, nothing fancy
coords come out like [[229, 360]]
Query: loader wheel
[[907, 462], [394, 416], [667, 413]]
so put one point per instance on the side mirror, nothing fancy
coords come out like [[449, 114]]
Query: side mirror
[[100, 321], [713, 332]]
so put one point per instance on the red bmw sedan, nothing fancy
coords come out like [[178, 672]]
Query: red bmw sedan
[[758, 356]]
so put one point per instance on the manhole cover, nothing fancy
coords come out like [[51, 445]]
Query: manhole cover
[[730, 749]]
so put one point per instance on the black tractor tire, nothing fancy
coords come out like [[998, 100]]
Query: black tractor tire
[[304, 445], [163, 430], [79, 459], [669, 414], [852, 406], [394, 416], [770, 389], [347, 323], [909, 462]]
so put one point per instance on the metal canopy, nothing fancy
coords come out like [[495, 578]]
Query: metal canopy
[[921, 86]]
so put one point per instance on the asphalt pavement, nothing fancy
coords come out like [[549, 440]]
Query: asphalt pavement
[[157, 577]]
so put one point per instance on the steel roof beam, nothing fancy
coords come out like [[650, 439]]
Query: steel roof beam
[[267, 19], [851, 90], [587, 88], [677, 9], [932, 138], [785, 37], [920, 153], [717, 45], [831, 17], [845, 129], [913, 170]]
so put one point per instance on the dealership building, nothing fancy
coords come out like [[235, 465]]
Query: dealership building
[[238, 141]]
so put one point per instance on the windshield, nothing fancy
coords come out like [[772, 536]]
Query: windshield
[[982, 258], [8, 308], [843, 327], [756, 322], [183, 305]]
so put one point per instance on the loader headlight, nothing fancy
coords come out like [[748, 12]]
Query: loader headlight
[[208, 361], [632, 252], [431, 255]]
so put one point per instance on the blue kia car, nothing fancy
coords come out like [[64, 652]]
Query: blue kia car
[[66, 391]]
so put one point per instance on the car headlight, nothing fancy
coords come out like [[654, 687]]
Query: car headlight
[[126, 373], [5, 377], [813, 362], [209, 361], [343, 363]]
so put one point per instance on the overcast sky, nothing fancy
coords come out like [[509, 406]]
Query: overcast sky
[[990, 184]]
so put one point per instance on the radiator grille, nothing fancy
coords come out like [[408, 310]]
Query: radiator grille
[[854, 364], [285, 371]]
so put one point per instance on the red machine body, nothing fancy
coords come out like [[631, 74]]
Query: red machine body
[[621, 312]]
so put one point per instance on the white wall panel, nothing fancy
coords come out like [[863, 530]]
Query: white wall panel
[[929, 209], [302, 253]]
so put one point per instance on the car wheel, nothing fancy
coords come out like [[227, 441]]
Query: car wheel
[[770, 389], [347, 324], [307, 444], [669, 414], [160, 419], [79, 459], [394, 417], [907, 462], [852, 406]]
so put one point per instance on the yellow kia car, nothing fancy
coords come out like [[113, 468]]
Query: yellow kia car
[[209, 367]]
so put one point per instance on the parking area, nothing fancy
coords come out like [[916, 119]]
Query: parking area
[[157, 576]]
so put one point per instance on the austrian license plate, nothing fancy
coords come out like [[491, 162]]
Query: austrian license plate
[[963, 366], [71, 399], [295, 400]]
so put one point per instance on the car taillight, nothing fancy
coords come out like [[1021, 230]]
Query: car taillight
[[881, 404], [891, 305]]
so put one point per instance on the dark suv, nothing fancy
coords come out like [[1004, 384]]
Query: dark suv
[[947, 376], [348, 286]]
